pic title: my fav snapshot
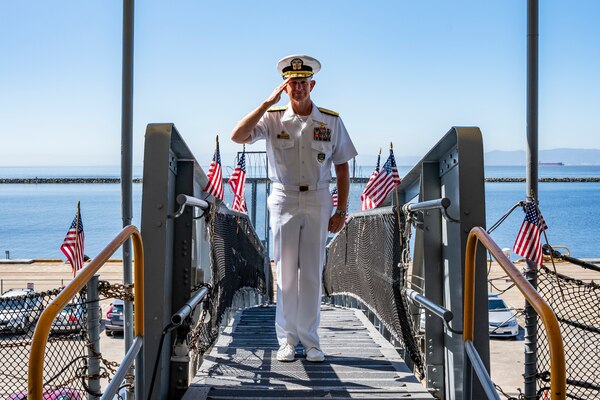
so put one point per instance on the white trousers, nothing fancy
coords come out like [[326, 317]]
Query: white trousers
[[299, 223]]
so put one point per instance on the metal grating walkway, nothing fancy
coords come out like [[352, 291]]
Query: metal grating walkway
[[359, 363]]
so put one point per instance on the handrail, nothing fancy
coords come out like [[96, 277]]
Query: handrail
[[558, 380], [42, 330], [445, 314], [184, 200]]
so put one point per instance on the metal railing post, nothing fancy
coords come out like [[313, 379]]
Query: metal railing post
[[530, 384], [254, 196], [93, 328]]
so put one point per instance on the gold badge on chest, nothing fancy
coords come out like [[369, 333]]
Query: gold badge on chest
[[283, 135]]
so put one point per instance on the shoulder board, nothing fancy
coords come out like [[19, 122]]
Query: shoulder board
[[279, 108], [329, 112]]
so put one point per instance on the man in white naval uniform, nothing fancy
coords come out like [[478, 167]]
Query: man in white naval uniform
[[302, 141]]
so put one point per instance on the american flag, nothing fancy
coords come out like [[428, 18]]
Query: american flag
[[365, 202], [528, 243], [215, 175], [384, 182], [237, 181], [72, 246], [334, 197]]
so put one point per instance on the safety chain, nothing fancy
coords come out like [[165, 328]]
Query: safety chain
[[520, 396], [116, 290], [107, 371], [112, 366], [195, 336], [408, 223], [109, 368]]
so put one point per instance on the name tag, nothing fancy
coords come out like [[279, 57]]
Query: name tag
[[283, 135], [322, 134]]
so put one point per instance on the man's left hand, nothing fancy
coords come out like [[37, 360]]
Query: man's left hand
[[336, 223]]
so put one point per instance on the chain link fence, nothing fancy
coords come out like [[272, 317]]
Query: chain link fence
[[66, 356], [68, 349]]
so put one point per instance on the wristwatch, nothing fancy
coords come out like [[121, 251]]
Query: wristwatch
[[340, 212]]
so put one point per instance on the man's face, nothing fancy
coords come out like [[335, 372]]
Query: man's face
[[299, 88]]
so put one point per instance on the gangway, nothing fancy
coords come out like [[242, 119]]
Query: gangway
[[360, 363]]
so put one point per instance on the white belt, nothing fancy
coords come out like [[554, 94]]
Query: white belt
[[301, 188]]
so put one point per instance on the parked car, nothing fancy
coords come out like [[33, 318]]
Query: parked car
[[502, 318], [114, 318], [19, 309], [70, 319], [51, 394]]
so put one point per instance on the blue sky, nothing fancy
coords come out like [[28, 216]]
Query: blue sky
[[400, 71]]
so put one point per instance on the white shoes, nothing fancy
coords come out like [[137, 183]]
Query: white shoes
[[286, 352], [315, 355]]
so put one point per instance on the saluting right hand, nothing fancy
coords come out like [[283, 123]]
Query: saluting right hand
[[276, 95]]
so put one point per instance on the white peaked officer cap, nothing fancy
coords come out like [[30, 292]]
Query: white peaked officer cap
[[298, 66]]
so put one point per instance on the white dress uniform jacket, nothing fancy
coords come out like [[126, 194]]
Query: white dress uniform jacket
[[301, 151]]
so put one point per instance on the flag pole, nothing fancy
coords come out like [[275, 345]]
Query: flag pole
[[237, 225], [214, 207], [74, 267], [397, 203]]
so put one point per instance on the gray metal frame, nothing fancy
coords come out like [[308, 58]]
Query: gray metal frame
[[176, 255], [454, 169], [170, 169]]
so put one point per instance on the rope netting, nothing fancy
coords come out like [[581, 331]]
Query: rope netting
[[577, 307], [364, 261], [238, 261]]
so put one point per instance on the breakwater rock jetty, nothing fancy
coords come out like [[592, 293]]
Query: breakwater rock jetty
[[582, 179], [353, 180], [65, 180]]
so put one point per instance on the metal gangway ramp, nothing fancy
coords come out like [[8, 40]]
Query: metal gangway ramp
[[209, 321], [359, 363]]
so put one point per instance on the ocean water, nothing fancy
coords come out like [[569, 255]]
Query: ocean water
[[34, 218]]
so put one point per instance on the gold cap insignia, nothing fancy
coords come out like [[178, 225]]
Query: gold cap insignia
[[296, 64]]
